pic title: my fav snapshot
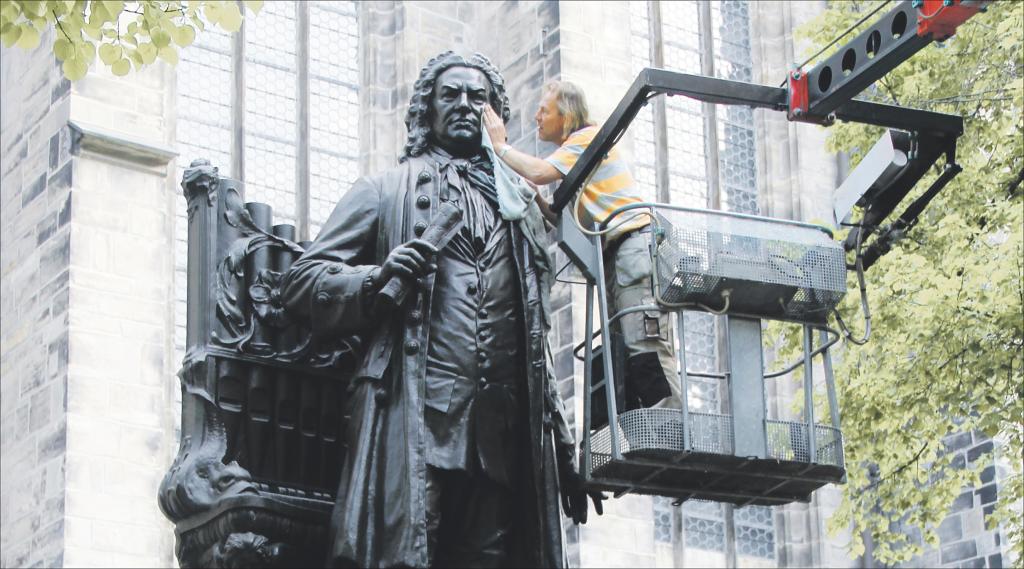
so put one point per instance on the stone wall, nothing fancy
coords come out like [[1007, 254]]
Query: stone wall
[[964, 538], [398, 38], [121, 379], [86, 278], [35, 209]]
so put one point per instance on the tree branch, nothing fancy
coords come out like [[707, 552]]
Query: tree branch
[[903, 467], [1011, 188], [60, 27], [892, 92]]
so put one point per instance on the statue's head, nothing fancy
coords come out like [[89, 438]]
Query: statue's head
[[448, 101]]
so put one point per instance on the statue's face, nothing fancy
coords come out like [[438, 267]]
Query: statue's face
[[456, 108]]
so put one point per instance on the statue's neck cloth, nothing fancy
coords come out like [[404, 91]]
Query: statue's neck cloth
[[475, 172]]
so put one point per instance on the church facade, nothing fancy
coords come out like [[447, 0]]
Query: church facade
[[305, 99]]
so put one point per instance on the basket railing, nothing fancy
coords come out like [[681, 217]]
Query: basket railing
[[682, 433]]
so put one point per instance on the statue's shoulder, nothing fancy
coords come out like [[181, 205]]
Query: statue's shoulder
[[397, 176]]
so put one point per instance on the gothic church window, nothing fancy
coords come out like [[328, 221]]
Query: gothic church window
[[275, 105]]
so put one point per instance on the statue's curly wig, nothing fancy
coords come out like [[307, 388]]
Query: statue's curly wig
[[417, 118]]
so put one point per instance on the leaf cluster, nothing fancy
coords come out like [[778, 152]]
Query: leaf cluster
[[124, 35], [945, 357]]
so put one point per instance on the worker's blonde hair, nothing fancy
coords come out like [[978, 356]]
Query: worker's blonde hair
[[572, 105]]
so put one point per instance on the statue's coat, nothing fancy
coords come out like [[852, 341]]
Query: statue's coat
[[379, 517]]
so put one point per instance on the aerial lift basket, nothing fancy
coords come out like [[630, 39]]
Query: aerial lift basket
[[747, 268]]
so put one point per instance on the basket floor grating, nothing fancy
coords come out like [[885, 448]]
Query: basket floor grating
[[655, 462]]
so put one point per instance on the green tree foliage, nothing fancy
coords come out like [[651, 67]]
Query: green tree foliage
[[123, 34], [945, 355]]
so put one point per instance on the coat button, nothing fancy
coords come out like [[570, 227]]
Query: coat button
[[471, 289], [334, 269], [534, 335], [482, 313], [420, 227], [482, 382], [423, 202], [423, 178], [415, 317], [412, 347], [322, 297], [381, 397]]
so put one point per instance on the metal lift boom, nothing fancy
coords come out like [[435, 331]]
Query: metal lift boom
[[821, 96]]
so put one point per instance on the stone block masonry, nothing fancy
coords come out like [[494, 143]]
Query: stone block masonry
[[85, 301], [35, 208], [120, 431], [965, 540]]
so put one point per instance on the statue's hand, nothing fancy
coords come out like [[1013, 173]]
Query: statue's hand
[[574, 497], [412, 260]]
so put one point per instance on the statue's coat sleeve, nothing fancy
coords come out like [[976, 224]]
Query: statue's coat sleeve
[[326, 284]]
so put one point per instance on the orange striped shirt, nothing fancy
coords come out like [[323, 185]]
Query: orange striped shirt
[[611, 186]]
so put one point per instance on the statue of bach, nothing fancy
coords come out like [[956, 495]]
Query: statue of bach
[[457, 443]]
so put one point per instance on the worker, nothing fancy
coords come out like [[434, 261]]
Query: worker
[[563, 118]]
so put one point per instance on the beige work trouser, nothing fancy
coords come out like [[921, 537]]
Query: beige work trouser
[[629, 285]]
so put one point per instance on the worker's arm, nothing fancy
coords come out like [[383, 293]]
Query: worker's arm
[[545, 207], [534, 169]]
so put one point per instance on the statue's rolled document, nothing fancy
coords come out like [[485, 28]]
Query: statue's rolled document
[[442, 228]]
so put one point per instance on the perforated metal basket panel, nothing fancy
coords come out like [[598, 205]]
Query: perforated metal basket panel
[[660, 429], [788, 440], [773, 269], [654, 462]]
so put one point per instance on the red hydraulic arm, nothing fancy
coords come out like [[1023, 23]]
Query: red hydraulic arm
[[940, 18], [814, 94]]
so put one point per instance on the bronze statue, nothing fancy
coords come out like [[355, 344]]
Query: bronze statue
[[457, 440]]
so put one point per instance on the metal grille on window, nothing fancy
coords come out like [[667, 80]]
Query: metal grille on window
[[663, 525], [680, 36], [270, 99], [704, 525], [730, 23], [642, 129], [701, 356], [703, 522], [755, 532], [682, 29], [203, 131], [333, 94]]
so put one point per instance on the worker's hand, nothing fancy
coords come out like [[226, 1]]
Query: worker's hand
[[412, 259], [545, 208], [495, 128], [574, 497]]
